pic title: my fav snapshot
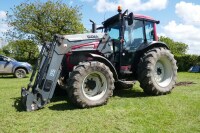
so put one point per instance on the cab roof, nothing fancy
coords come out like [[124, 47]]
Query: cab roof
[[140, 16], [115, 18]]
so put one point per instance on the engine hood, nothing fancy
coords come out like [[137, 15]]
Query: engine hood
[[83, 37]]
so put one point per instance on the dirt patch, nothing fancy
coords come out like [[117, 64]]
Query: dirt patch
[[185, 83]]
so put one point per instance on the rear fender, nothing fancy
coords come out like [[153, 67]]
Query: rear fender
[[145, 47], [106, 62]]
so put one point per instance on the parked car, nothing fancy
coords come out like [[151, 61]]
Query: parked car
[[11, 66]]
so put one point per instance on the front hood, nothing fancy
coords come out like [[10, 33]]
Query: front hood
[[82, 37], [21, 63]]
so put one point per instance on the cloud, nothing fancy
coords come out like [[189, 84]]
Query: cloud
[[2, 14], [188, 12], [188, 30], [185, 33], [133, 5]]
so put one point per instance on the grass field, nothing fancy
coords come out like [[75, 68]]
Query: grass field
[[127, 111]]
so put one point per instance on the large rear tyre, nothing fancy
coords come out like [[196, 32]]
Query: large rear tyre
[[90, 84], [157, 71]]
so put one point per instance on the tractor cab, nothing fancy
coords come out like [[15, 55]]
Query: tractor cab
[[134, 29], [126, 35]]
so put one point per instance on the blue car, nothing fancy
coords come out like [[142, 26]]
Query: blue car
[[11, 66]]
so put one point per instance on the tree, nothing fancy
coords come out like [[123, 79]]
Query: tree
[[41, 20], [177, 48], [23, 50]]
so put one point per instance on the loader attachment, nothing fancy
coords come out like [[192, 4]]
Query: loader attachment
[[45, 75], [48, 67]]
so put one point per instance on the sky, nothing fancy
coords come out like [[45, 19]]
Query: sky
[[179, 19]]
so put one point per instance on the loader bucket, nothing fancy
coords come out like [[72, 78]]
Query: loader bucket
[[28, 100]]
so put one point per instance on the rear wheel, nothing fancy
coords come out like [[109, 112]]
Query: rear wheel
[[157, 71], [90, 84], [20, 73]]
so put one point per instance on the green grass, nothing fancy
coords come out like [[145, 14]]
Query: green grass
[[126, 111]]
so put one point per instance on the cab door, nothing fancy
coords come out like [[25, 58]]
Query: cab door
[[133, 38]]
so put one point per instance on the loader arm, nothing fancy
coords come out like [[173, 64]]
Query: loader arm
[[47, 71]]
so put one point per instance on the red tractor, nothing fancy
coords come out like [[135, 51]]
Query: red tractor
[[90, 66]]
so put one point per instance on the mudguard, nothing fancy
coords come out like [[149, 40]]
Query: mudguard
[[152, 45], [106, 62]]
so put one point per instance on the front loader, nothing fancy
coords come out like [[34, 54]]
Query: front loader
[[127, 50], [47, 72]]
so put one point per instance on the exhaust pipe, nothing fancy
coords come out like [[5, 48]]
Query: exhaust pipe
[[93, 26]]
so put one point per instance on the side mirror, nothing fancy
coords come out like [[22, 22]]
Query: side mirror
[[157, 22], [130, 18]]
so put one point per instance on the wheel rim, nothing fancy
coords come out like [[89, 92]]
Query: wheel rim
[[94, 86], [20, 73], [163, 72]]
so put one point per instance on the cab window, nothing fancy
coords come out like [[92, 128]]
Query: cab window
[[134, 34], [113, 31], [1, 58], [149, 31]]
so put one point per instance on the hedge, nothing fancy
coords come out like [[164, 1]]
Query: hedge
[[184, 62]]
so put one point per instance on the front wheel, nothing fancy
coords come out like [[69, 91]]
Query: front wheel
[[20, 73], [157, 71], [90, 84]]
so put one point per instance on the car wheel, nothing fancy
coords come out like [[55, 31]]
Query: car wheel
[[20, 73]]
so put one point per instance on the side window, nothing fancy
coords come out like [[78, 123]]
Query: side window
[[114, 33], [1, 59], [149, 31], [134, 34]]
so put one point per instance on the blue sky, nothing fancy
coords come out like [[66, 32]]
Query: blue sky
[[180, 19]]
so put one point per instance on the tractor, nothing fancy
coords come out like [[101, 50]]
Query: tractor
[[90, 66]]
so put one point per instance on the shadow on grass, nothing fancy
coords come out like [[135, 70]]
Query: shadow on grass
[[130, 93], [7, 77], [63, 106], [121, 93], [18, 104], [10, 77], [59, 107]]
